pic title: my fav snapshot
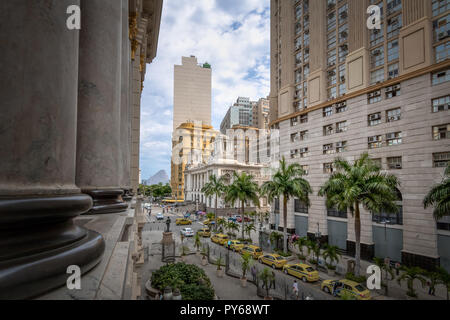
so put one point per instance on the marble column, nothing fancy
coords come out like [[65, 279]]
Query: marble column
[[38, 116], [125, 106], [99, 156]]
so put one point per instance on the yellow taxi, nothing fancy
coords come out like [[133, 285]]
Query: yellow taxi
[[182, 221], [204, 232], [234, 245], [219, 238], [301, 271], [254, 251], [352, 288], [273, 260], [208, 222]]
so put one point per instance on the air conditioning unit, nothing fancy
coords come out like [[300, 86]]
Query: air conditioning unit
[[342, 78], [339, 145], [373, 139], [375, 116], [398, 166], [442, 35], [376, 52], [389, 89], [371, 95], [396, 87]]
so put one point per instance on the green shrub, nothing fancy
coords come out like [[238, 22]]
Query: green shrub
[[192, 281], [351, 276], [283, 254]]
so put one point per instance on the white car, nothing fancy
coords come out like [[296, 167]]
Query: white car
[[159, 216], [187, 232]]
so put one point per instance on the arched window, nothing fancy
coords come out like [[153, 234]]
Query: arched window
[[391, 218]]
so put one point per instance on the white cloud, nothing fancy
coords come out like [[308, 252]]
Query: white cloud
[[232, 35]]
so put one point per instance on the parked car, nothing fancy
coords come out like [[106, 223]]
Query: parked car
[[159, 216], [219, 238], [187, 215], [187, 232], [233, 218], [208, 222], [350, 287], [204, 232], [239, 219], [301, 271], [234, 245], [255, 251], [274, 260], [182, 221]]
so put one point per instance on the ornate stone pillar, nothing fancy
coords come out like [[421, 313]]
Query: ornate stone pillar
[[38, 118], [99, 156]]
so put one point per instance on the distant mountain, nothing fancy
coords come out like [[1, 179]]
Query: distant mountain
[[160, 176]]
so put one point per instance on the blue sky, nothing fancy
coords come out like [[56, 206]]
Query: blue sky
[[233, 36]]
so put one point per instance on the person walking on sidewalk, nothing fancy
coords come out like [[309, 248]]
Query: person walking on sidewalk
[[295, 289], [253, 270], [272, 280]]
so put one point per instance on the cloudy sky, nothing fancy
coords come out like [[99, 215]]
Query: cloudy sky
[[233, 36]]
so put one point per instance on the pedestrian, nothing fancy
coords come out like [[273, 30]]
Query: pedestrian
[[431, 288], [272, 280], [269, 244], [253, 270], [295, 289]]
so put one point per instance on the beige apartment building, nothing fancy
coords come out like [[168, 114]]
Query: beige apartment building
[[191, 92], [261, 110], [339, 88], [191, 144]]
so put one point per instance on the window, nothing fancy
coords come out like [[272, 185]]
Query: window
[[441, 159], [376, 36], [327, 111], [342, 12], [303, 135], [393, 6], [331, 21], [341, 146], [375, 142], [341, 107], [334, 212], [377, 57], [341, 126], [300, 206], [442, 52], [374, 119], [393, 115], [440, 77], [392, 50], [331, 58], [328, 167], [440, 6], [393, 139], [393, 71], [298, 59], [331, 40], [389, 218], [393, 91], [294, 121], [441, 28], [441, 132], [298, 75], [305, 168], [331, 77], [394, 162], [294, 153], [441, 104], [303, 152], [343, 52], [328, 148], [304, 118], [377, 76], [393, 26], [328, 130], [298, 12], [294, 137], [343, 33], [276, 205]]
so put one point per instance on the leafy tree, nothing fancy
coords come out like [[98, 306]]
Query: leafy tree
[[215, 187], [388, 271], [210, 216], [246, 263], [232, 226], [409, 275], [360, 184], [301, 243], [287, 181], [266, 277], [197, 241], [444, 279], [331, 254], [241, 190], [314, 247], [274, 238], [439, 196], [219, 262], [249, 228]]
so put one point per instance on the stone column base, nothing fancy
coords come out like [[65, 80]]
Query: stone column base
[[106, 201], [39, 241]]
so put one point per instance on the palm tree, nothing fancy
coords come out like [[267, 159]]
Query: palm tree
[[246, 263], [360, 184], [221, 223], [249, 228], [287, 181], [242, 189], [439, 196], [410, 274], [274, 238], [215, 187], [266, 277], [232, 226], [331, 254], [388, 271], [314, 247], [301, 242]]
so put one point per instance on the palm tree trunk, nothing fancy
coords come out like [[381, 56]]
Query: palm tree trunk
[[215, 214], [243, 219], [285, 223], [357, 239]]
